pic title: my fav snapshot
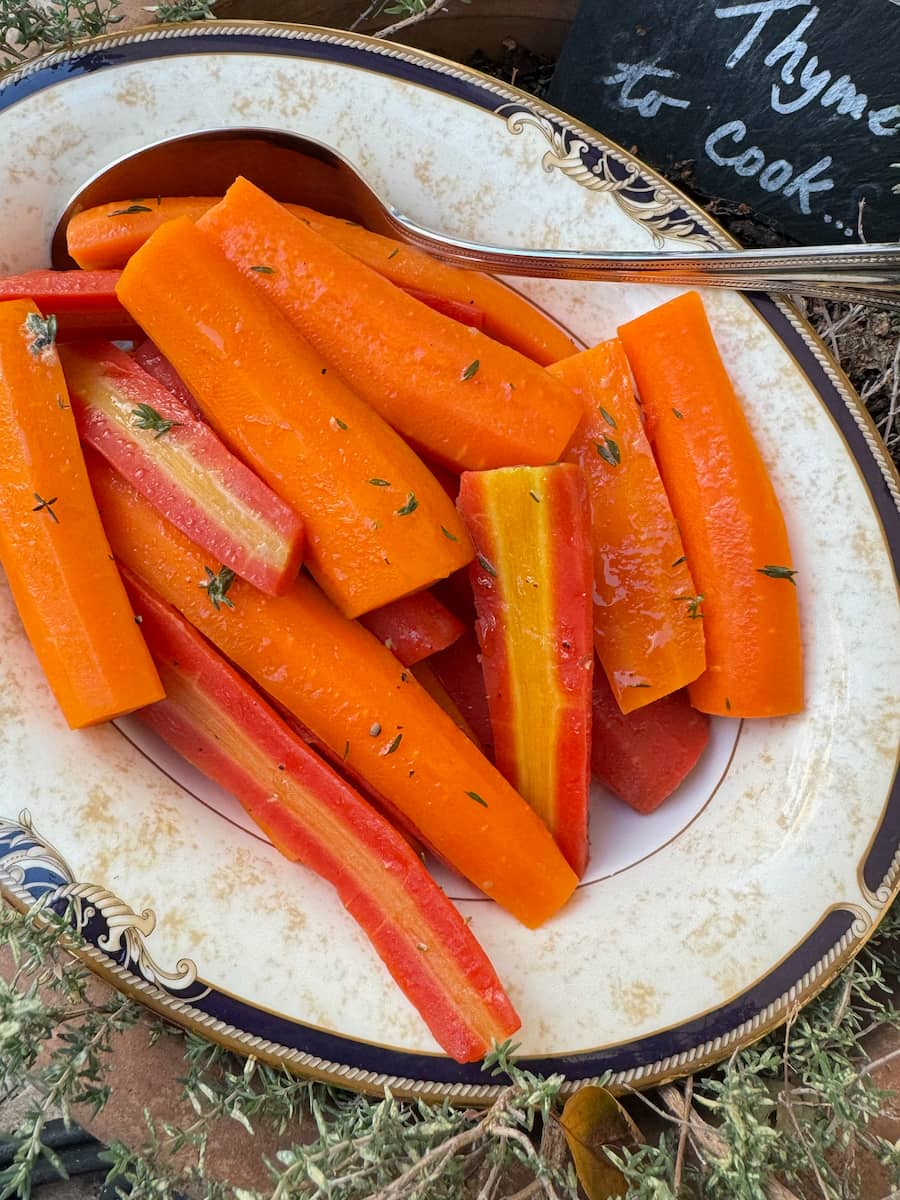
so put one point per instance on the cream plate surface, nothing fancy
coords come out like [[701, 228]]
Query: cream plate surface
[[696, 928]]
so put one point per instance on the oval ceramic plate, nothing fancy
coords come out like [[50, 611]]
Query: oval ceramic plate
[[696, 929]]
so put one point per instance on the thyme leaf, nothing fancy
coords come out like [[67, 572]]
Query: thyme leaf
[[216, 586], [608, 417], [393, 745], [447, 534], [693, 603], [778, 573], [46, 506], [487, 566], [609, 451], [478, 799], [262, 270], [129, 211], [43, 331], [145, 416], [471, 370], [409, 507]]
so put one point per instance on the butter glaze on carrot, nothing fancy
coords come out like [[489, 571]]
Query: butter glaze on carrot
[[644, 635], [352, 694], [52, 545], [378, 525], [462, 398], [731, 523]]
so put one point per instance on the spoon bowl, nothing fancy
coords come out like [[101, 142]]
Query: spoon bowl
[[301, 170]]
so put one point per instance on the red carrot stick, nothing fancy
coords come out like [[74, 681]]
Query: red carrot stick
[[643, 756], [176, 461], [414, 627]]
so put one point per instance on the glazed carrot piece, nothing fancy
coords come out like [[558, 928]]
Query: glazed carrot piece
[[458, 670], [108, 235], [52, 545], [84, 302], [532, 582], [152, 360], [352, 694], [462, 398], [96, 240], [732, 526], [465, 314], [312, 816], [415, 627], [441, 696], [378, 525], [645, 755], [508, 317], [176, 461], [644, 636]]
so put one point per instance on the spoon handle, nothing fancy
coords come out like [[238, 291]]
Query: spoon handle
[[859, 274]]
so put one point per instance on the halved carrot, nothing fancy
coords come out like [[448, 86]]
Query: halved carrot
[[732, 526], [351, 692], [532, 583], [378, 524], [96, 240], [415, 627], [52, 546], [645, 638], [107, 235], [459, 396], [215, 719], [176, 461]]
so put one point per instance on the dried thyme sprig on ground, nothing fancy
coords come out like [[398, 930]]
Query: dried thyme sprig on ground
[[786, 1118]]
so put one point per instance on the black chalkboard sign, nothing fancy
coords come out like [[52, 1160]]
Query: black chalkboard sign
[[788, 106]]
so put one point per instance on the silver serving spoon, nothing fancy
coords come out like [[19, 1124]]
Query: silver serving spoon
[[301, 170]]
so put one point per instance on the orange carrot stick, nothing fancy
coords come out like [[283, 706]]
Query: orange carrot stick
[[52, 546], [350, 691], [461, 397], [378, 524], [108, 235], [722, 496], [644, 635], [507, 316], [97, 240]]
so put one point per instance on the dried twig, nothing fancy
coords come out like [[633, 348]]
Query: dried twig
[[432, 10]]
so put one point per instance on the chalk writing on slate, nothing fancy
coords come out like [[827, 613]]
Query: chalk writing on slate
[[787, 106]]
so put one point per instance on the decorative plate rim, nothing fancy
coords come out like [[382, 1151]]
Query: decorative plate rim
[[585, 155]]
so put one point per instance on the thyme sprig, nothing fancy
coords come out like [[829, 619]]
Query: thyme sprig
[[787, 1118], [28, 28], [145, 416], [43, 331], [217, 584]]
